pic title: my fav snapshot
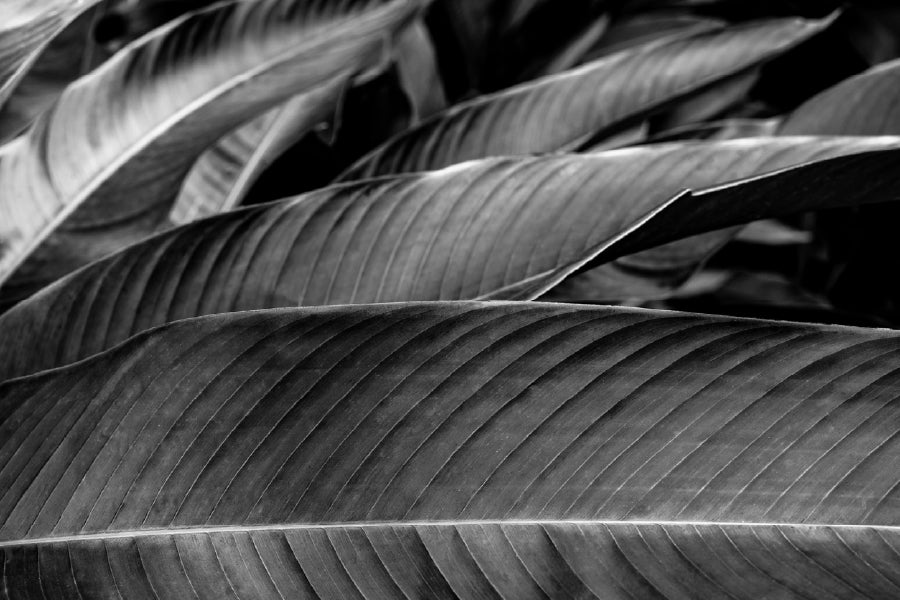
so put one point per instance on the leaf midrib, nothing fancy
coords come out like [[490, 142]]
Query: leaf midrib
[[363, 525]]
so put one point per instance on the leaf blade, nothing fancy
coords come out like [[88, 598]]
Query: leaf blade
[[566, 111], [459, 233], [63, 171], [541, 418]]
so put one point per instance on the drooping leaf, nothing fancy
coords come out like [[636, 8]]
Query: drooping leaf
[[471, 230], [223, 174], [867, 104], [102, 168], [459, 451], [597, 100]]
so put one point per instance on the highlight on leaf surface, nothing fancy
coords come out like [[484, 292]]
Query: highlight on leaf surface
[[459, 450], [26, 27], [102, 167], [504, 227], [599, 99]]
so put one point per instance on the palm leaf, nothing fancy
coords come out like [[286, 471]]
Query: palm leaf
[[459, 450], [471, 230], [102, 167], [599, 99]]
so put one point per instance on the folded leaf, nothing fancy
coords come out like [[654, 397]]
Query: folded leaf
[[77, 49], [850, 180], [597, 100], [480, 228], [102, 168], [867, 104], [459, 450], [223, 175], [26, 27]]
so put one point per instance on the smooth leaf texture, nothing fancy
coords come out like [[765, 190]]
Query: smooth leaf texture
[[104, 165], [459, 450], [565, 111], [867, 104], [477, 229], [223, 175]]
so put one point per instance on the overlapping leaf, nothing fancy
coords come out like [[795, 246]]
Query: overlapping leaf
[[223, 175], [598, 99], [103, 166], [816, 186], [479, 229], [863, 105], [635, 30], [26, 27], [867, 104], [459, 450], [77, 49]]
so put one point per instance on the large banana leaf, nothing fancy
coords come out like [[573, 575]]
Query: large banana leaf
[[867, 104], [102, 168], [478, 229], [459, 450], [565, 111]]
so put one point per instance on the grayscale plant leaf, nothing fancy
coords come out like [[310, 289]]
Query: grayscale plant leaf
[[459, 450], [484, 228], [223, 175], [597, 100], [102, 167]]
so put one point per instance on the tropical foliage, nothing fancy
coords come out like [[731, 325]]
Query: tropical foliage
[[443, 299]]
